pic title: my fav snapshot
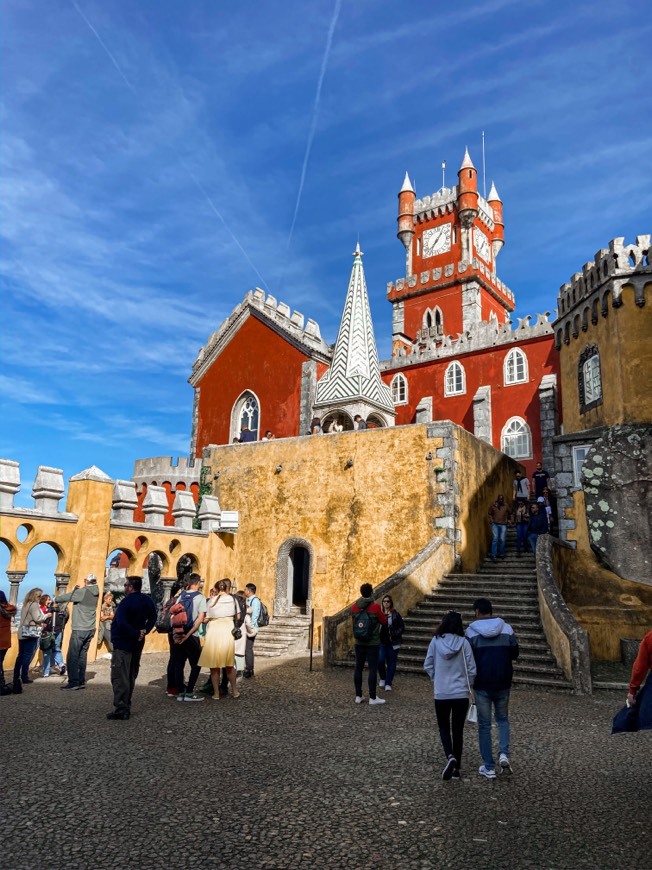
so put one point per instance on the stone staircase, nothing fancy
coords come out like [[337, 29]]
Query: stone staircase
[[283, 636], [511, 586]]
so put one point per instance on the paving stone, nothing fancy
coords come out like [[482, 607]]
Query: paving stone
[[328, 783]]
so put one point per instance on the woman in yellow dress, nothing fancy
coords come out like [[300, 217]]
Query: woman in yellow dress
[[219, 644]]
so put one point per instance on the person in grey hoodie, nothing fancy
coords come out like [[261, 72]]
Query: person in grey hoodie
[[84, 599], [494, 647], [450, 665]]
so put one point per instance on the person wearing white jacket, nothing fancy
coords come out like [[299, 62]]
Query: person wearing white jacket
[[450, 665]]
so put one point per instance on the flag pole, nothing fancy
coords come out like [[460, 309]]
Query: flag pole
[[484, 171]]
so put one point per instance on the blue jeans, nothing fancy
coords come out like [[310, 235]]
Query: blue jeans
[[77, 652], [498, 535], [26, 650], [500, 700], [387, 659], [521, 537], [53, 655], [533, 542]]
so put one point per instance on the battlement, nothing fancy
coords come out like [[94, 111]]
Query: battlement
[[162, 469], [431, 346], [618, 263], [47, 492], [443, 202], [432, 277], [293, 323]]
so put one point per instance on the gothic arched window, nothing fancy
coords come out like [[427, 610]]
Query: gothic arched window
[[516, 439], [246, 412], [399, 389], [515, 367], [589, 378], [455, 380], [439, 321]]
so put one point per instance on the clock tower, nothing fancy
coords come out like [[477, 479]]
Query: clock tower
[[452, 239]]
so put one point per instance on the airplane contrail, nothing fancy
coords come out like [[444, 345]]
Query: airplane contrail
[[195, 181], [315, 114]]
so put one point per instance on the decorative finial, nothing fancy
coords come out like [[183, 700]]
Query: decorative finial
[[358, 252]]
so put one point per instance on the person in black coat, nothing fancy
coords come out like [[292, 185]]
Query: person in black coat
[[538, 525], [390, 642]]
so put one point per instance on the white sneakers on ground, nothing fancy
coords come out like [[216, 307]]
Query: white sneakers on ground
[[388, 688], [358, 699], [377, 701], [487, 772], [381, 683], [504, 763]]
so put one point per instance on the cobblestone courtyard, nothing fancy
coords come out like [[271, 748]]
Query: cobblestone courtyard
[[295, 775]]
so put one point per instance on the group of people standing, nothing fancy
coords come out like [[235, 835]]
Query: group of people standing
[[532, 513], [476, 665]]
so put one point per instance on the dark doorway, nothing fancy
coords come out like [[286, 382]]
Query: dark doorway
[[300, 568]]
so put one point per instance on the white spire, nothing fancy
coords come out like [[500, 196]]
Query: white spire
[[493, 194], [467, 163], [406, 185]]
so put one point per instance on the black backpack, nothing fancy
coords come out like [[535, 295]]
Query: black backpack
[[363, 626], [263, 616]]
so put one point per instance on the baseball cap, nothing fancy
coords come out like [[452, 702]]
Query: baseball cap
[[541, 499], [90, 578]]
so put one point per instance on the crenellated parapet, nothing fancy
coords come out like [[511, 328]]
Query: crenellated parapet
[[291, 324], [431, 278], [430, 345], [48, 490], [157, 470], [590, 293]]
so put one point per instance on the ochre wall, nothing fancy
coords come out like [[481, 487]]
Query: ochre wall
[[623, 339], [363, 522], [256, 359], [483, 368]]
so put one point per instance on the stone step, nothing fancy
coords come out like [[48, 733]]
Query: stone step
[[467, 597], [507, 611], [459, 579], [413, 641], [526, 660], [533, 638]]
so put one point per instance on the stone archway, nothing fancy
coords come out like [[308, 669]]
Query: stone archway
[[294, 572]]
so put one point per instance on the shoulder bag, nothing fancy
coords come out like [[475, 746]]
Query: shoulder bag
[[472, 712]]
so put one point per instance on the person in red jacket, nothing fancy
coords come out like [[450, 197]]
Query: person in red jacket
[[642, 666], [7, 613], [367, 617]]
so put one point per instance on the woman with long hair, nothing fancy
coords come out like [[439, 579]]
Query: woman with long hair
[[107, 612], [390, 643], [219, 645], [29, 632], [450, 665]]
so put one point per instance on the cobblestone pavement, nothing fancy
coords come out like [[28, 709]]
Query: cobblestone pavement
[[295, 775]]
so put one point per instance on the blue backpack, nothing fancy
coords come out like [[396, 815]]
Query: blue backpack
[[181, 613]]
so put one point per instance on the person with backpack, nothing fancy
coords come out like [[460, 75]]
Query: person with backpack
[[390, 643], [256, 618], [187, 614], [368, 618], [450, 665]]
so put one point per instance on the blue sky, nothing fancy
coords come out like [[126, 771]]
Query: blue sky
[[161, 159]]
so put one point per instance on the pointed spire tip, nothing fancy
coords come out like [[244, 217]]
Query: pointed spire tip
[[467, 163], [407, 186], [493, 194]]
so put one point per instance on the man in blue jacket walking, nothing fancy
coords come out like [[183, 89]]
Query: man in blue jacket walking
[[494, 648], [134, 618]]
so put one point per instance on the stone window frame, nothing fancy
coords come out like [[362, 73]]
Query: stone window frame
[[399, 388], [236, 413], [454, 372], [511, 361], [525, 432], [589, 372]]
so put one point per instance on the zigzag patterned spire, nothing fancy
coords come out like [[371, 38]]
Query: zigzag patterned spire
[[355, 373]]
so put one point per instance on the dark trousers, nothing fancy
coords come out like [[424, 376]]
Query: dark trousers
[[188, 651], [367, 654], [521, 537], [249, 654], [387, 658], [124, 670], [3, 653], [170, 669], [26, 650], [76, 659], [451, 716]]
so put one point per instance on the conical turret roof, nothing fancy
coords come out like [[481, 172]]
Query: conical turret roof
[[354, 374], [467, 163], [493, 194], [407, 186]]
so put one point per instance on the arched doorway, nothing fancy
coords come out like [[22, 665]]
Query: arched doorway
[[294, 570]]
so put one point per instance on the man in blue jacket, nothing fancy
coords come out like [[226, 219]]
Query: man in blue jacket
[[494, 648], [134, 618]]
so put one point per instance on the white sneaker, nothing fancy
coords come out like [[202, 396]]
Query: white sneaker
[[358, 699], [388, 688], [381, 683], [377, 701], [505, 765], [487, 772]]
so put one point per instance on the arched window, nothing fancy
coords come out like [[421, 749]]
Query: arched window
[[399, 389], [589, 378], [246, 412], [515, 367], [455, 380], [516, 439], [439, 321], [427, 319]]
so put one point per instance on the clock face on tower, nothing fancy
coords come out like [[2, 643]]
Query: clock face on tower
[[436, 241], [481, 245]]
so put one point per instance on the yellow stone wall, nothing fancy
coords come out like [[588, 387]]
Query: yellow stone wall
[[623, 339]]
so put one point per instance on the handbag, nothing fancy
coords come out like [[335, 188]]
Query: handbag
[[46, 642], [236, 631], [472, 712], [31, 631]]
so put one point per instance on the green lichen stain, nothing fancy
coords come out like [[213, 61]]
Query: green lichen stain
[[599, 471], [596, 457], [610, 524], [604, 507]]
